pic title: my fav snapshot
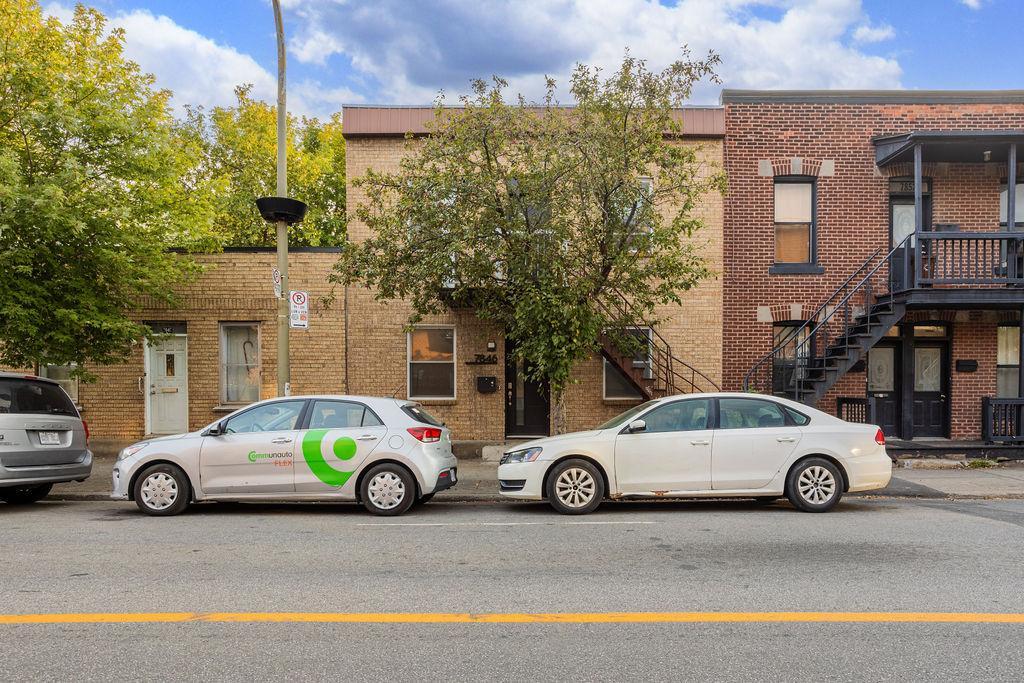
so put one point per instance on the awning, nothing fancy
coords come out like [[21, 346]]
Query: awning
[[947, 146]]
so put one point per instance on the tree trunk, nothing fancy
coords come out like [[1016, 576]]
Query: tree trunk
[[559, 412]]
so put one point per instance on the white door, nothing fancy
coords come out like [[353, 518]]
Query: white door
[[339, 437], [672, 453], [167, 377], [255, 453], [753, 441]]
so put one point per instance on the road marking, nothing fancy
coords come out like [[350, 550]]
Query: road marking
[[519, 618], [619, 522]]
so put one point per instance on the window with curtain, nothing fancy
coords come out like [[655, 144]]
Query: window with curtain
[[1007, 361], [432, 362], [794, 221], [239, 362]]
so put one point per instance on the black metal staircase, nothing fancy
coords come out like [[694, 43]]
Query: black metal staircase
[[839, 333], [655, 371]]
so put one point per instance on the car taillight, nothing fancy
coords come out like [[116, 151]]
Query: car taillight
[[880, 438], [426, 434], [85, 426]]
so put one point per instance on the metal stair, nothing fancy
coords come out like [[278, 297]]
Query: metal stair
[[657, 373], [835, 337]]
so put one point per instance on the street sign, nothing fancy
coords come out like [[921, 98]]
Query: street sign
[[299, 309], [277, 283]]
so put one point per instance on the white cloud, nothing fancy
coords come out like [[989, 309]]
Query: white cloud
[[973, 4], [866, 33], [409, 51], [200, 71]]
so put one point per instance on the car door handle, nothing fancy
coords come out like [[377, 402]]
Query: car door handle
[[701, 442], [281, 440], [786, 439], [366, 437]]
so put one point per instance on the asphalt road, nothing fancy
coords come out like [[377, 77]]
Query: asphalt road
[[871, 555]]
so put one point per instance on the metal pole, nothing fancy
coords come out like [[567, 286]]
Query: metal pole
[[283, 370]]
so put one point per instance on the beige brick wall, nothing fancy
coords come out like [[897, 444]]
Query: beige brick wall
[[378, 339]]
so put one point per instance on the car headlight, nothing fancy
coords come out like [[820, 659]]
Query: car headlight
[[131, 450], [525, 455]]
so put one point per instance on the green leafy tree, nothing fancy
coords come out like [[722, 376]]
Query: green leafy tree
[[542, 217], [238, 163], [91, 193]]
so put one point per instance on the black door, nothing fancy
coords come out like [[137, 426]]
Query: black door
[[884, 386], [931, 378], [527, 402]]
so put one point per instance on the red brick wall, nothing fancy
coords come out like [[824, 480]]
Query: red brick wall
[[852, 217], [972, 340]]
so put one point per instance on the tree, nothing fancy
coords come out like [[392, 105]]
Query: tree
[[91, 191], [238, 163], [541, 217]]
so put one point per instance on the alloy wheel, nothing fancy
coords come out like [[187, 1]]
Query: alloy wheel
[[159, 491], [386, 490], [816, 485], [575, 487]]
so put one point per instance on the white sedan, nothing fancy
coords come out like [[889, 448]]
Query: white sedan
[[702, 446]]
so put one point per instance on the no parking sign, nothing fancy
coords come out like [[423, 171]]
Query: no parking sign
[[299, 309]]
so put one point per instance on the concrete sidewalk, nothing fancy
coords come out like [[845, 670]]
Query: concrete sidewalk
[[478, 482]]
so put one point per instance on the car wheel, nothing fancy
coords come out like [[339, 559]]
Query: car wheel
[[23, 495], [575, 487], [388, 490], [162, 490], [814, 485]]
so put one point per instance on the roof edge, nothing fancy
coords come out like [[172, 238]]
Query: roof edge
[[734, 96]]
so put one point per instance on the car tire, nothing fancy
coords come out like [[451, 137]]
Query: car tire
[[162, 490], [574, 487], [388, 490], [24, 495], [814, 485]]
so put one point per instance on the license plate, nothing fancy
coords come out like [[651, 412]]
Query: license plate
[[49, 438], [452, 475]]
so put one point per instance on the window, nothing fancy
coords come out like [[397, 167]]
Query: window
[[616, 386], [1018, 208], [679, 416], [342, 415], [432, 362], [792, 336], [747, 413], [26, 396], [794, 221], [269, 417], [417, 413], [930, 331], [1007, 361], [239, 362], [62, 375]]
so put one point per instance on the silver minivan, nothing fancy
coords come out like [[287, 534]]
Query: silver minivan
[[43, 440]]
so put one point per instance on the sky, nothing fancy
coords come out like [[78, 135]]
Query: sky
[[406, 51]]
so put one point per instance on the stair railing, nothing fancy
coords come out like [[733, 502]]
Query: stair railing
[[807, 347], [669, 373]]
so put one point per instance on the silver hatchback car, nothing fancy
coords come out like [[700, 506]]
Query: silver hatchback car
[[384, 452], [43, 439]]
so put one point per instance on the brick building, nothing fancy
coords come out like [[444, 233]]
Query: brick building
[[218, 349], [869, 263]]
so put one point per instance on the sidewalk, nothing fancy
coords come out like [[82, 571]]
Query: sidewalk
[[478, 482]]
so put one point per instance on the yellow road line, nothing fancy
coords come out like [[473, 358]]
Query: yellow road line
[[518, 618]]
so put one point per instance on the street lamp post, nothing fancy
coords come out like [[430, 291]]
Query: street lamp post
[[282, 211]]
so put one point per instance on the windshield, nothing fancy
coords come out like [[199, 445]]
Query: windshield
[[623, 418], [27, 396]]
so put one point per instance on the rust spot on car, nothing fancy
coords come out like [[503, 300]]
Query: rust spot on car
[[660, 493]]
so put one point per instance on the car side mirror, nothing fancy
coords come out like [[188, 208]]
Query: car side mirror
[[214, 430], [637, 426]]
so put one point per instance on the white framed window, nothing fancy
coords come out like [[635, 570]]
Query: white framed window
[[431, 362], [794, 220], [1018, 207], [239, 362], [62, 375], [1008, 361], [616, 386]]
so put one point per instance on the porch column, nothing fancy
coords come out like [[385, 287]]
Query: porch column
[[1011, 189], [918, 217]]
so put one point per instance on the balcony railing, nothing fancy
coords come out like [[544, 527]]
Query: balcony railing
[[968, 258], [1002, 419], [855, 409]]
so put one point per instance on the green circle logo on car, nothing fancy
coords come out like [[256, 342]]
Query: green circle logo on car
[[344, 448]]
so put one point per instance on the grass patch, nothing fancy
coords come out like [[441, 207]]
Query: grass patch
[[980, 463]]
